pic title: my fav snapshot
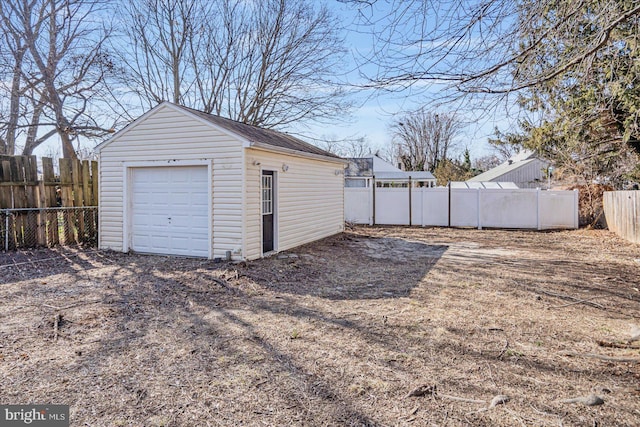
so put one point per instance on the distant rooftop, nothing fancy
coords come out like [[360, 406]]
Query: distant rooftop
[[483, 184], [516, 161], [372, 164]]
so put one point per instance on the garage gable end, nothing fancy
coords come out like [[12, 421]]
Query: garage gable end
[[140, 122]]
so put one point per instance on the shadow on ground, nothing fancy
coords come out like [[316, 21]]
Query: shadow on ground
[[322, 335], [348, 267]]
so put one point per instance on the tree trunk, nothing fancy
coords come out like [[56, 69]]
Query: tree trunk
[[68, 152], [14, 104]]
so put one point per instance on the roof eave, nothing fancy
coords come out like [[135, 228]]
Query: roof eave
[[282, 150]]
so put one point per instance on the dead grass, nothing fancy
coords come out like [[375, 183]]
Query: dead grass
[[335, 333]]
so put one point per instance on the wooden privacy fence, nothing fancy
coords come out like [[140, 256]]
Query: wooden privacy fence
[[622, 212], [42, 209]]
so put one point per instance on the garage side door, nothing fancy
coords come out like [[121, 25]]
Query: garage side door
[[170, 210]]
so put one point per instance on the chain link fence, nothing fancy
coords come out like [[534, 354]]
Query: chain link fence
[[47, 227]]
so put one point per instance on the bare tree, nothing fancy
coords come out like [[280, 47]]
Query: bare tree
[[58, 63], [267, 63], [484, 163], [16, 112], [507, 144], [347, 147], [422, 139], [159, 47], [572, 64], [485, 46]]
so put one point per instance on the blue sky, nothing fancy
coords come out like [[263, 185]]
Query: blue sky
[[374, 110]]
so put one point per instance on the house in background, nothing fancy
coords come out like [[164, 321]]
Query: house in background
[[362, 171], [524, 169], [182, 182]]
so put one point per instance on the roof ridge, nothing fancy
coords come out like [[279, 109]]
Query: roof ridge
[[253, 133]]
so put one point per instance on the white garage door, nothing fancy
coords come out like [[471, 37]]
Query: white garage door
[[170, 210]]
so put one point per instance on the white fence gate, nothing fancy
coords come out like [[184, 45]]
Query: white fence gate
[[463, 207]]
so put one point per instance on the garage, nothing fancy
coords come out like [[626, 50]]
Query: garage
[[170, 210], [178, 181]]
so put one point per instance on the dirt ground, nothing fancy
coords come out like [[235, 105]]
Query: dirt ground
[[340, 332]]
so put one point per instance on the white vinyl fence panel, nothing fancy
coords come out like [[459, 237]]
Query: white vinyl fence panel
[[507, 209], [392, 206], [464, 207], [358, 205], [478, 207], [558, 209], [430, 207]]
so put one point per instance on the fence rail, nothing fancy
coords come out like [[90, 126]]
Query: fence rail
[[46, 227], [21, 186], [622, 212], [39, 208]]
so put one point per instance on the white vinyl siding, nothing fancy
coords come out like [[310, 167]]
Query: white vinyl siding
[[164, 137], [309, 199], [530, 175], [525, 174]]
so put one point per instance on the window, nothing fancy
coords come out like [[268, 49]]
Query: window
[[267, 194], [356, 182], [392, 184]]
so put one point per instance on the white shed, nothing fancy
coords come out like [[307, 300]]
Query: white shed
[[182, 182]]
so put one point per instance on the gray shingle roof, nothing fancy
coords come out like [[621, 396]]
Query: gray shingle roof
[[260, 135]]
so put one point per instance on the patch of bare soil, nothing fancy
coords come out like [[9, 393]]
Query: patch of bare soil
[[375, 327]]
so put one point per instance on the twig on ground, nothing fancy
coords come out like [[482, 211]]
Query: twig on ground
[[601, 357], [461, 399], [590, 400], [75, 304], [518, 417], [542, 412], [504, 350], [578, 300], [582, 301], [422, 391], [222, 283], [409, 417], [562, 296], [490, 375], [613, 344]]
